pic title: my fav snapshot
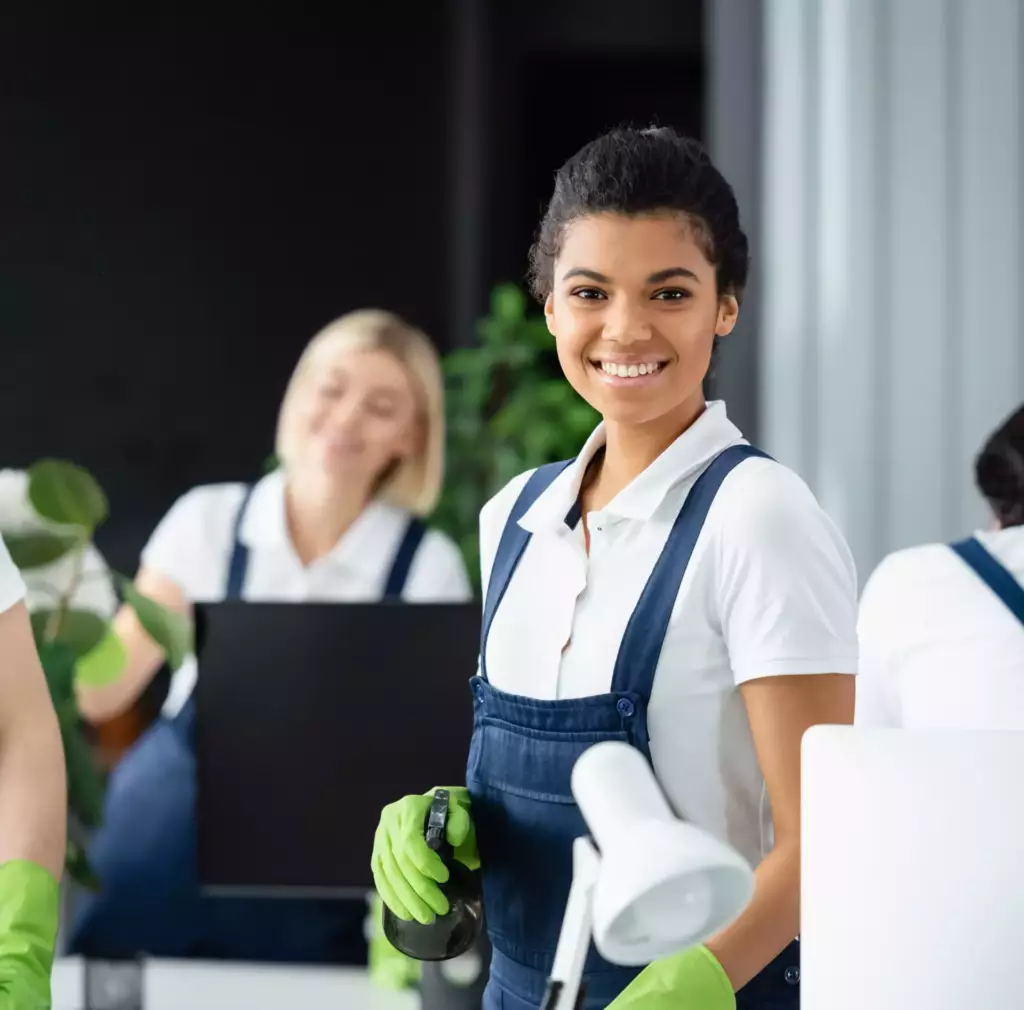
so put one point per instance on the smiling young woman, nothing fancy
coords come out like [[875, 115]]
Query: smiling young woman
[[672, 586]]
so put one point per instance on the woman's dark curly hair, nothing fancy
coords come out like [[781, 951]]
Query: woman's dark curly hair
[[999, 470], [643, 171]]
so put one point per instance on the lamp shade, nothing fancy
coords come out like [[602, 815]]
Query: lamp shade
[[663, 885]]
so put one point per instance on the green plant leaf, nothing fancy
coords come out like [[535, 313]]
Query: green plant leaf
[[58, 663], [77, 864], [461, 363], [537, 334], [170, 630], [103, 664], [39, 548], [509, 409], [80, 630], [66, 493], [85, 786], [508, 303]]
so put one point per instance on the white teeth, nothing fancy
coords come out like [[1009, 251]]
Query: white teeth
[[629, 371]]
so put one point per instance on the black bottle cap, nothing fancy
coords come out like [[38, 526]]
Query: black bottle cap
[[436, 828]]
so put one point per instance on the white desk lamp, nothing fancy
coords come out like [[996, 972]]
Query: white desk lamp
[[648, 885]]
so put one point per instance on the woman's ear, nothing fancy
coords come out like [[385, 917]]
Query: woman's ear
[[728, 314], [549, 313]]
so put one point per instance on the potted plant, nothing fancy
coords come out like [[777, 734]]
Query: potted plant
[[509, 409], [76, 643]]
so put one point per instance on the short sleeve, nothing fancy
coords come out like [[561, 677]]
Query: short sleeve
[[877, 701], [12, 586], [787, 581], [181, 545], [438, 573]]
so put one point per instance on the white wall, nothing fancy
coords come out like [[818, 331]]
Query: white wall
[[892, 337]]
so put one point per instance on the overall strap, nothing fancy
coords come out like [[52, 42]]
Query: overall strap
[[993, 574], [238, 564], [511, 546], [399, 574], [640, 650]]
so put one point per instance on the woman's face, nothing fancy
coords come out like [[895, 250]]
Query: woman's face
[[634, 310], [359, 413]]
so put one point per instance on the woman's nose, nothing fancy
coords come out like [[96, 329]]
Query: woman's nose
[[345, 416], [625, 323]]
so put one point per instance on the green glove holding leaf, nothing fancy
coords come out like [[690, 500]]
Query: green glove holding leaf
[[29, 915], [692, 980], [406, 871]]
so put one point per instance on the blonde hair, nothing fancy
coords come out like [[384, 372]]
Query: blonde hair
[[415, 482]]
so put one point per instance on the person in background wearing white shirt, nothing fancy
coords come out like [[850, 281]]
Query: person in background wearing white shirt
[[671, 586], [942, 626], [361, 447], [33, 806]]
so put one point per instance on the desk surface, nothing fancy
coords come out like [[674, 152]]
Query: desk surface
[[204, 985]]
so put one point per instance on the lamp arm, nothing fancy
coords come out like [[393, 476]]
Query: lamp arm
[[564, 990]]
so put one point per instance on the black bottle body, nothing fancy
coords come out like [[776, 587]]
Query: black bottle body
[[456, 931]]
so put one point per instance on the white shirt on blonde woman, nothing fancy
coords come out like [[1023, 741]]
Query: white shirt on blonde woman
[[770, 590], [193, 543]]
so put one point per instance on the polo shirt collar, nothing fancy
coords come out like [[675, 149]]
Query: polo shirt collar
[[690, 452]]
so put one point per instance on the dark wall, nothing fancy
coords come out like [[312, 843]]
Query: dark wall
[[558, 79], [181, 211]]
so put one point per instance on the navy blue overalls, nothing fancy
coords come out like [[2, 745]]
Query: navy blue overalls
[[993, 574], [145, 852], [520, 765]]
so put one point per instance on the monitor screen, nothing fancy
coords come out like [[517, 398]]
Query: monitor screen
[[310, 718]]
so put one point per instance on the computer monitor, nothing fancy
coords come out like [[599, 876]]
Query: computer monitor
[[310, 718], [913, 889]]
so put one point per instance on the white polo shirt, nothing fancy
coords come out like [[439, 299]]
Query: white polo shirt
[[192, 546], [938, 648], [12, 586], [771, 589]]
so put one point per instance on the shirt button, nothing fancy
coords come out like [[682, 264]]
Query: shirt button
[[625, 707], [792, 975]]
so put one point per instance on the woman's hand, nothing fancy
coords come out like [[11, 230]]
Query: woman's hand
[[692, 980], [406, 870], [145, 657]]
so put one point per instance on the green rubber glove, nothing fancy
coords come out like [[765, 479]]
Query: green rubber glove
[[29, 915], [389, 968], [406, 870], [692, 980]]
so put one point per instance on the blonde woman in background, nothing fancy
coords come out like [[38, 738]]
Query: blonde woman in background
[[361, 447]]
